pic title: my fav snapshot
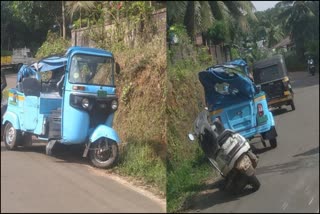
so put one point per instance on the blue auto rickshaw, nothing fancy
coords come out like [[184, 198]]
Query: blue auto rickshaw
[[69, 99], [234, 99]]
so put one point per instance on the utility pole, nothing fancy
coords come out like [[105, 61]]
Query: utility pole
[[63, 21]]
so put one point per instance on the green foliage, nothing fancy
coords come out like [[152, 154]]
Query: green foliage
[[312, 48], [235, 53], [53, 45], [185, 181], [140, 160], [25, 23], [204, 56], [6, 53], [219, 32], [126, 93], [293, 62]]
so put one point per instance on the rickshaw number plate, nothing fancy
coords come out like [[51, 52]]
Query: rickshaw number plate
[[102, 93], [262, 119]]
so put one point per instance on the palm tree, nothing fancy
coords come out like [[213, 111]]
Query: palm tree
[[297, 18], [79, 6], [198, 16]]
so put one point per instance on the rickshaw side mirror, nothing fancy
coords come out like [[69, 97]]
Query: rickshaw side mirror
[[191, 137], [258, 88], [117, 68]]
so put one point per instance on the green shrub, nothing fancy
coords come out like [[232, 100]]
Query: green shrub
[[293, 62], [139, 159], [6, 53], [54, 44]]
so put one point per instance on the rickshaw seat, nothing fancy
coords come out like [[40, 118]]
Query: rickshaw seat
[[31, 86]]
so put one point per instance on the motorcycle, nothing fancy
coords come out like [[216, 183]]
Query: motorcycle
[[228, 152], [311, 68]]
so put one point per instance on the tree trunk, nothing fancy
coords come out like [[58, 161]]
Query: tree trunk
[[63, 21], [80, 18]]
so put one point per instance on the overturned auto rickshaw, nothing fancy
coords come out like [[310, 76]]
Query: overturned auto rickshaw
[[69, 99], [233, 98]]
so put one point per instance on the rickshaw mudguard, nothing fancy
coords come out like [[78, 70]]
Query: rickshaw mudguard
[[104, 131], [12, 118]]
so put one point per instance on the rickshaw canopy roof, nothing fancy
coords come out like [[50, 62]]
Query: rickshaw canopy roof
[[55, 62], [224, 74]]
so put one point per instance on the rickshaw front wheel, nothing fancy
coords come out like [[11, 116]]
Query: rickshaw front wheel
[[104, 153], [11, 136]]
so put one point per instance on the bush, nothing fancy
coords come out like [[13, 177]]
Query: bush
[[6, 53], [293, 62], [54, 44]]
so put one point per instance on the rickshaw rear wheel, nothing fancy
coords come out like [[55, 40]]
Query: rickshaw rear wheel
[[273, 142], [104, 154], [11, 136]]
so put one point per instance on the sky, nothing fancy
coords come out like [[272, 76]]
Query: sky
[[263, 5]]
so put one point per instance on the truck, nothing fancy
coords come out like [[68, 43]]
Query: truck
[[19, 57]]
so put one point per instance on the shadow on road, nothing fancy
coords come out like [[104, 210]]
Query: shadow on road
[[61, 153], [289, 167], [210, 195], [276, 112], [257, 150], [309, 152], [257, 146]]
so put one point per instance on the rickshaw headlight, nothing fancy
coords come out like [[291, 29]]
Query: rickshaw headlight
[[85, 103], [114, 105]]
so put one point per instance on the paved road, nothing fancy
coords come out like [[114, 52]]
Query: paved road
[[289, 174], [34, 182]]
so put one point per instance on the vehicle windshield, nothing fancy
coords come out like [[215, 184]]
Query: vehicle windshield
[[91, 70], [267, 74]]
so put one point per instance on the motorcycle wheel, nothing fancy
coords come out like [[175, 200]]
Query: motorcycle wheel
[[254, 182], [240, 183], [292, 106], [273, 142], [104, 154], [11, 137]]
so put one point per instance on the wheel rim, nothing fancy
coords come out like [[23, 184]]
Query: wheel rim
[[10, 135], [103, 151]]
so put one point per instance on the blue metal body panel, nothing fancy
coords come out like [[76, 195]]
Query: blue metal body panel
[[104, 131], [238, 111], [12, 118], [49, 104], [75, 123]]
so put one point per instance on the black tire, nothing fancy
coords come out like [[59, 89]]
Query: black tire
[[25, 140], [254, 182], [104, 159], [11, 137], [240, 182], [292, 106], [273, 142]]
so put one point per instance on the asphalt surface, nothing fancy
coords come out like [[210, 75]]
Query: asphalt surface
[[34, 182], [289, 174]]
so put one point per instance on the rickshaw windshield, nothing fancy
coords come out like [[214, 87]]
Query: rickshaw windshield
[[91, 70]]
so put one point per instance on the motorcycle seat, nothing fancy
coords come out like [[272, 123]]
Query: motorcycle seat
[[224, 136]]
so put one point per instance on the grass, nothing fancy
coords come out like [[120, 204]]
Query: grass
[[187, 167], [184, 182], [141, 161], [140, 120]]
